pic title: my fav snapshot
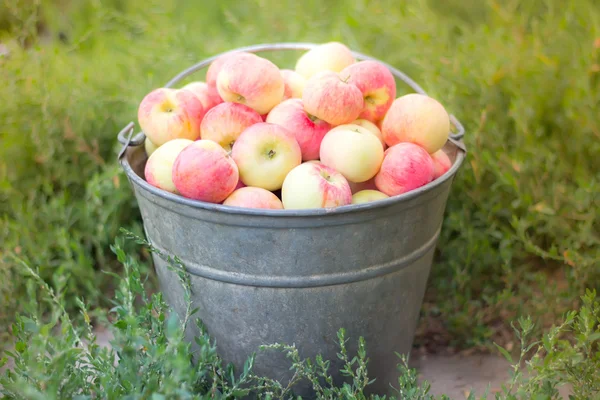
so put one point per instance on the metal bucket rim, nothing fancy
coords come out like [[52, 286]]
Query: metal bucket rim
[[312, 212]]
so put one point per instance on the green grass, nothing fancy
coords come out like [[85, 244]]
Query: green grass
[[522, 229]]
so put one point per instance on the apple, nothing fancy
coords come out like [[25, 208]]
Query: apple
[[264, 154], [159, 167], [441, 163], [331, 99], [253, 197], [366, 196], [406, 166], [365, 123], [149, 147], [377, 85], [353, 151], [208, 95], [331, 56], [293, 84], [215, 67], [416, 118], [225, 122], [308, 130], [165, 114], [204, 171], [314, 185], [366, 185], [251, 80]]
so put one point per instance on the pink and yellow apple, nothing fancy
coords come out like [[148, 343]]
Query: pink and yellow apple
[[405, 167], [353, 151], [331, 56], [377, 85], [149, 147], [225, 122], [419, 119], [264, 154], [159, 167], [308, 130], [253, 197], [204, 171], [315, 185], [251, 80], [215, 67], [366, 196], [331, 99], [293, 84], [165, 114], [208, 95], [441, 162]]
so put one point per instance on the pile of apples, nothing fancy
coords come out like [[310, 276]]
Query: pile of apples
[[327, 134]]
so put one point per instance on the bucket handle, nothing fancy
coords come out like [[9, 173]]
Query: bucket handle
[[139, 138]]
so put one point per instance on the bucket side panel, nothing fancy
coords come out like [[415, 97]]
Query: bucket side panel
[[384, 310]]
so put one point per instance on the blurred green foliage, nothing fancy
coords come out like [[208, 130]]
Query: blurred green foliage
[[522, 228]]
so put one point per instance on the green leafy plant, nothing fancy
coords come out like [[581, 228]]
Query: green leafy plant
[[54, 358], [569, 354]]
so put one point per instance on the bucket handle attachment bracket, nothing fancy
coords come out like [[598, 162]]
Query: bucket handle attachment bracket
[[129, 140]]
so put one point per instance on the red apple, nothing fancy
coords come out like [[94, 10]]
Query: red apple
[[353, 151], [441, 162], [165, 114], [293, 84], [204, 171], [331, 56], [308, 130], [419, 119], [264, 154], [331, 99], [208, 95], [405, 167], [251, 80], [159, 167], [377, 85], [253, 197], [225, 122], [315, 185]]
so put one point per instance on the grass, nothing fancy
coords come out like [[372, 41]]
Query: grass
[[521, 233]]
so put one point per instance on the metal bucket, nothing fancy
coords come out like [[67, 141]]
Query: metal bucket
[[297, 276]]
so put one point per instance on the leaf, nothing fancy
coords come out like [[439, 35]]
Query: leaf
[[20, 347], [121, 324], [504, 352]]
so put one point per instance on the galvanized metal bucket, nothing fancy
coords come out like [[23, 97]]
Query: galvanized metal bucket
[[296, 277]]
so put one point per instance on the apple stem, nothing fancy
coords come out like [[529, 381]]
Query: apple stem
[[271, 153]]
